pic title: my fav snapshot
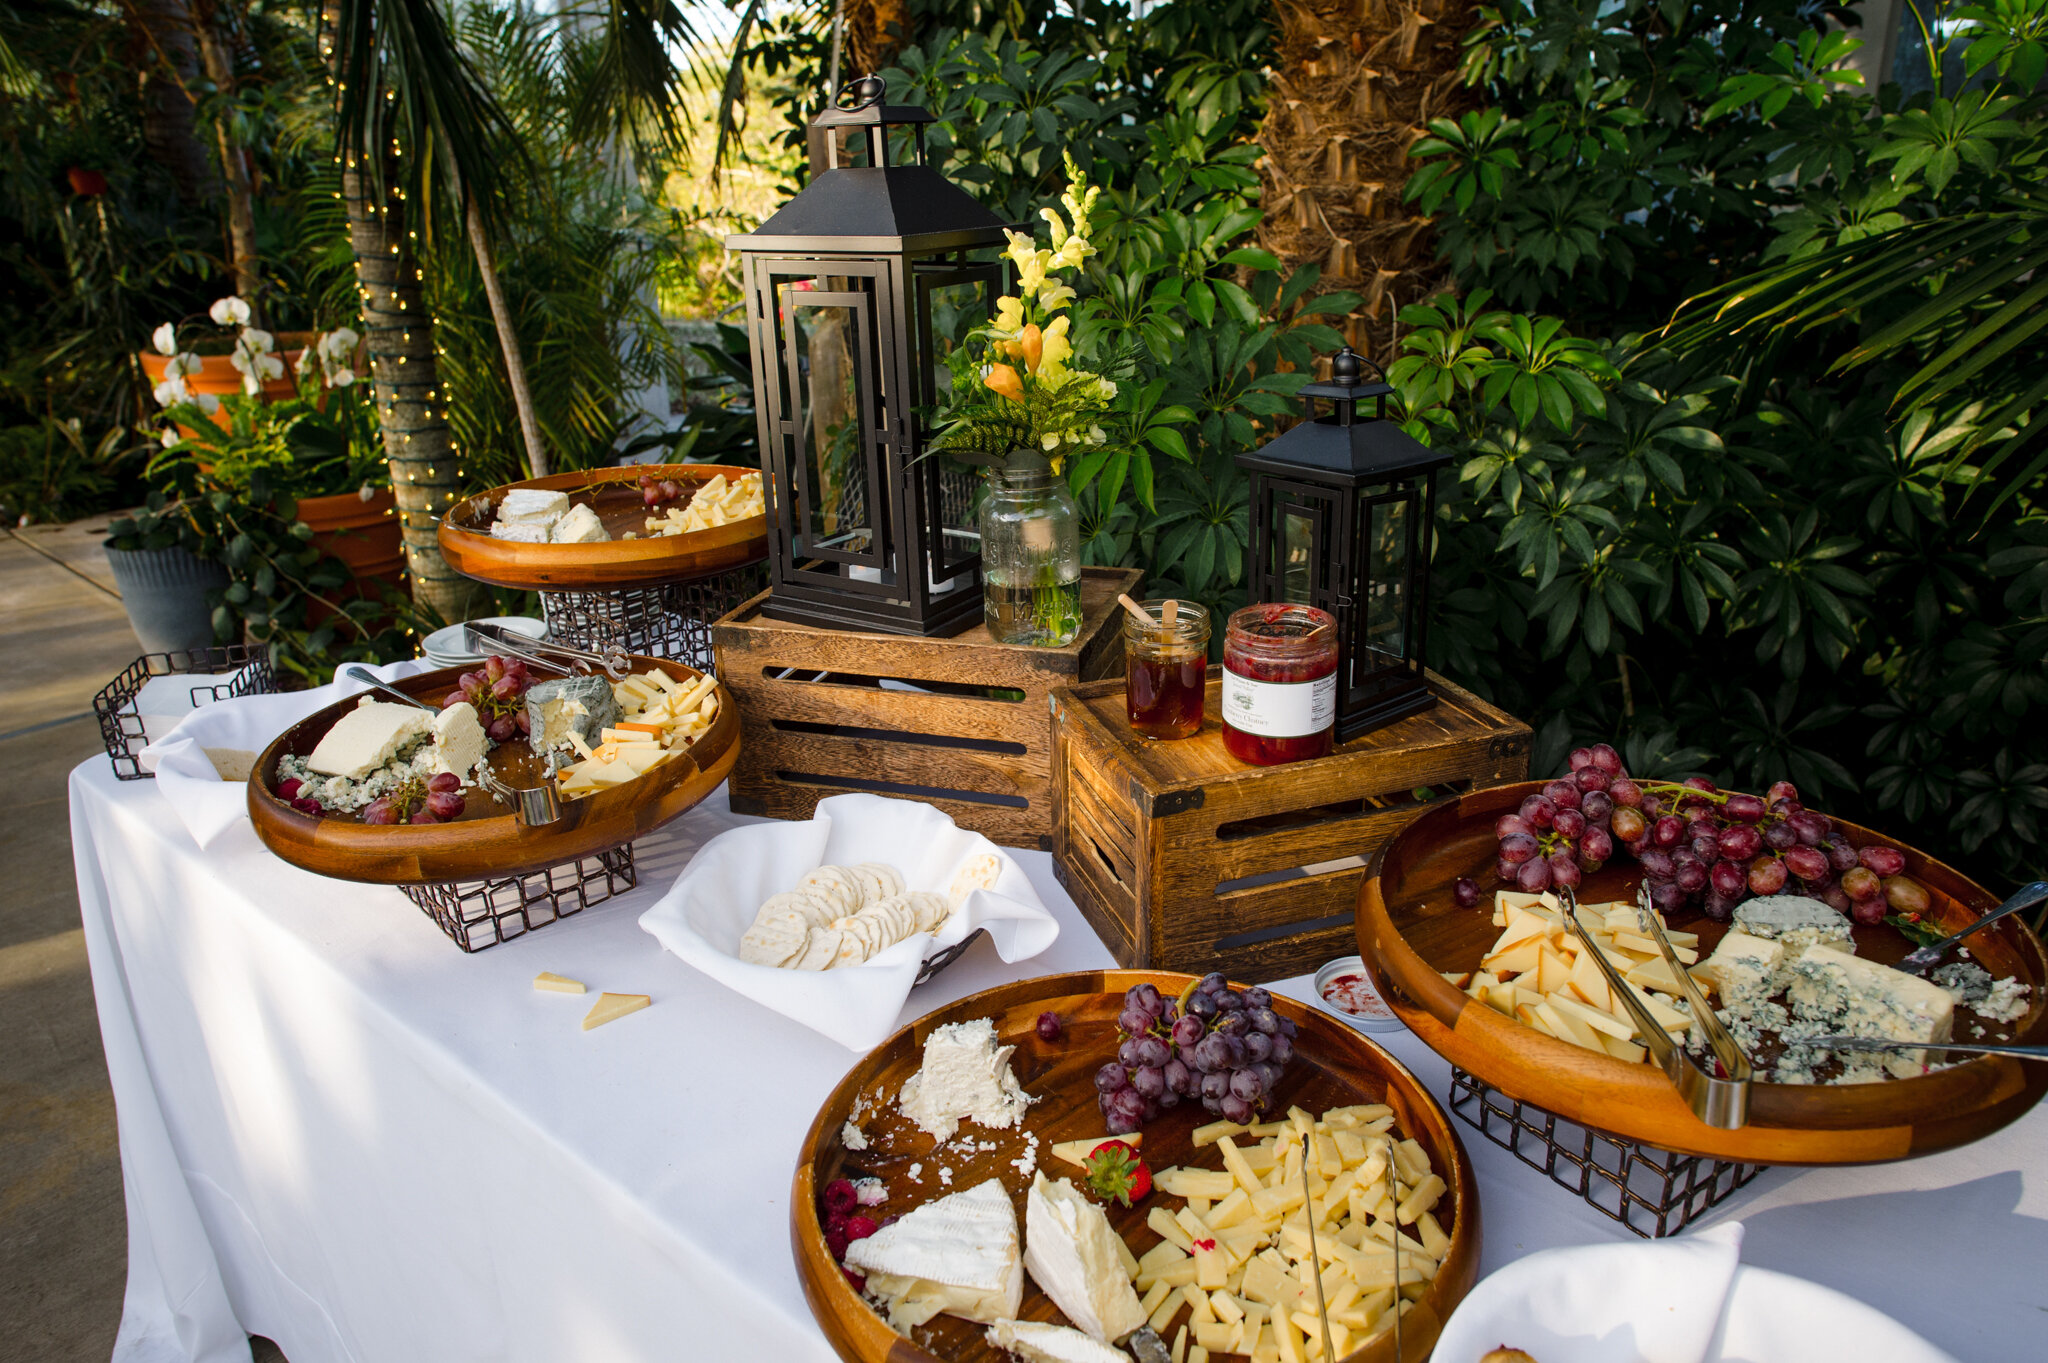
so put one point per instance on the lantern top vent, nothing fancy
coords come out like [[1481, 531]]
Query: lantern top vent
[[1344, 444], [878, 207]]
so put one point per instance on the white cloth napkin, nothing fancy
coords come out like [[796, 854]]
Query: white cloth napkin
[[712, 904], [186, 776], [163, 701], [1657, 1302]]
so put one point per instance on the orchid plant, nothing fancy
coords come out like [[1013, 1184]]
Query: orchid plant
[[1017, 398]]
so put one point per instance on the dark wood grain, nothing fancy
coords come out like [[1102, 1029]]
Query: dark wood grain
[[1410, 929], [816, 716], [1334, 1066], [467, 543], [1150, 835], [483, 844]]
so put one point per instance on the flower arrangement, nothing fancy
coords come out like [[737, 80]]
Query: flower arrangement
[[1016, 396]]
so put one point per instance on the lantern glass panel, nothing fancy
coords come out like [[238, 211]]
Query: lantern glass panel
[[952, 300], [829, 342], [1294, 536], [1383, 642]]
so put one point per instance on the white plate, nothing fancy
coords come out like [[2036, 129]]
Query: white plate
[[444, 646], [714, 901]]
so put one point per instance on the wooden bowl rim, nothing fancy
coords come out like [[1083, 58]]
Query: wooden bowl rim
[[1457, 1277]]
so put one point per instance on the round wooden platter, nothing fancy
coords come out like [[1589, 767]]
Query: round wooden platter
[[1333, 1066], [486, 840], [616, 565], [1410, 929]]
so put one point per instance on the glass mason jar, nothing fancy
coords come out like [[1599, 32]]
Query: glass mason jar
[[1166, 670], [1030, 556], [1280, 684]]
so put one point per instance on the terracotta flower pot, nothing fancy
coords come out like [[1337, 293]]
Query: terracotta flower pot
[[365, 535]]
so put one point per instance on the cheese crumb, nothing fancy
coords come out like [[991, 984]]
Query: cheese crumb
[[915, 1173], [852, 1137], [946, 1175]]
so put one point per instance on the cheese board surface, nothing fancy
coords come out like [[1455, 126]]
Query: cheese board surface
[[485, 839], [1411, 930], [616, 564], [1333, 1066]]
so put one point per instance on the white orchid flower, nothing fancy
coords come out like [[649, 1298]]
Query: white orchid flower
[[342, 377], [339, 344], [165, 339], [229, 312], [182, 365], [205, 402], [258, 340], [170, 437], [171, 392]]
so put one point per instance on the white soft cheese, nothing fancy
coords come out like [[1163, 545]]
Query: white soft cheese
[[532, 506], [958, 1255], [520, 532], [580, 526], [1070, 1251], [1037, 1341], [965, 1074], [459, 740], [367, 737]]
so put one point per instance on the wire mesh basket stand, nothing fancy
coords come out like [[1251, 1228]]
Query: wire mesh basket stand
[[672, 620], [1653, 1192], [121, 722], [482, 913]]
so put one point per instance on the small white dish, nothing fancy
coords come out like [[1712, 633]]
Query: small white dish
[[1368, 1012], [444, 647]]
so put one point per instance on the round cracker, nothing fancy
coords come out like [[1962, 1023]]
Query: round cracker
[[835, 885], [932, 910], [802, 901], [774, 942], [878, 879], [978, 872]]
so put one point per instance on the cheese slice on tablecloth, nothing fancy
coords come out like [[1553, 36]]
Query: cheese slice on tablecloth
[[552, 983], [612, 1007]]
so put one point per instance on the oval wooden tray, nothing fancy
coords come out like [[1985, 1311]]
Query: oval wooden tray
[[477, 846], [467, 543], [1410, 929], [1333, 1066]]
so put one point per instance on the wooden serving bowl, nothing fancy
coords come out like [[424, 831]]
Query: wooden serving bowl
[[1333, 1066], [482, 843], [614, 493], [1410, 929]]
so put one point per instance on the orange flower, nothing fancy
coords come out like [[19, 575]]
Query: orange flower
[[1005, 380], [1032, 342]]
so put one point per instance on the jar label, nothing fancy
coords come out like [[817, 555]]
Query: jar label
[[1279, 709]]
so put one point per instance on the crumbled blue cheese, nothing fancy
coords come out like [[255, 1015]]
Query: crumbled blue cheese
[[1795, 921], [1974, 987], [1844, 994]]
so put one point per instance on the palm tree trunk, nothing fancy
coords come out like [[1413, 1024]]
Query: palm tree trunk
[[161, 49], [508, 341], [1356, 84], [407, 384]]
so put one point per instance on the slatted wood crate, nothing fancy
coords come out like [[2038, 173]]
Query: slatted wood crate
[[963, 723], [1181, 857]]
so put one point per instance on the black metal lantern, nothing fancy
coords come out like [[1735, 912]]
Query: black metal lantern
[[855, 290], [1341, 510]]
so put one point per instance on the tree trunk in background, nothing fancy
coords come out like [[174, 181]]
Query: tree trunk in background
[[407, 384], [164, 54], [1355, 86], [508, 342], [870, 47], [220, 70]]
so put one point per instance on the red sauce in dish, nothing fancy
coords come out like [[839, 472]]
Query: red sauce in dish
[[1354, 994]]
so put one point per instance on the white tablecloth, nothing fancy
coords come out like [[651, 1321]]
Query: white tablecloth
[[339, 1131]]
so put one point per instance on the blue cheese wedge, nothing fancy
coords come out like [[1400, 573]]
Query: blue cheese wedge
[[580, 526], [1795, 921], [965, 1075], [1070, 1251], [1848, 996], [1038, 1341], [563, 711], [1744, 970], [367, 737], [958, 1255]]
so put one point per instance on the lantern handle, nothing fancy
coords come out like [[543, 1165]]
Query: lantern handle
[[867, 92]]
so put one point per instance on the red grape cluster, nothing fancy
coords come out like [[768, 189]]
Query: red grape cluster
[[1567, 830], [654, 491], [435, 800], [498, 691], [1224, 1046], [1700, 847]]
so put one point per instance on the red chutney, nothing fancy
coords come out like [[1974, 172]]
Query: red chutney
[[1355, 995], [1166, 671], [1280, 684]]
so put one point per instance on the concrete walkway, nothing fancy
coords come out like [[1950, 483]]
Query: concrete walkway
[[63, 1230]]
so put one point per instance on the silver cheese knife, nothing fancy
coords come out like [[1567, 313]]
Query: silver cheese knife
[[1872, 1043], [1148, 1346], [1927, 957]]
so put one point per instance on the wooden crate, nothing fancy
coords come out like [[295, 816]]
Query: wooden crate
[[1183, 858], [963, 723]]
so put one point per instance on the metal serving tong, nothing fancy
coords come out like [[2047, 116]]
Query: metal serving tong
[[1872, 1043], [485, 638], [1718, 1100], [1927, 957], [532, 806]]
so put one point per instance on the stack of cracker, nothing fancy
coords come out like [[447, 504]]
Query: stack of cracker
[[840, 915]]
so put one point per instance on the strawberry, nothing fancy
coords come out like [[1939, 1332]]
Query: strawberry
[[1115, 1173]]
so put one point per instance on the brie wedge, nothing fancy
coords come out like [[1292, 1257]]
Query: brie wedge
[[532, 506], [1037, 1341], [459, 740], [579, 525], [367, 737], [958, 1255], [965, 1074], [1070, 1251]]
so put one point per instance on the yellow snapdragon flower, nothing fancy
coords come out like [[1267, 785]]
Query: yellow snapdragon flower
[[1054, 348], [1009, 320]]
